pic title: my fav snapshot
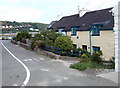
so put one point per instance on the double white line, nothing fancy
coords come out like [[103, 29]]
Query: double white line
[[26, 68]]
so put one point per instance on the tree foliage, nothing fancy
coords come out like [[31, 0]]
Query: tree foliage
[[22, 35], [64, 43], [49, 37]]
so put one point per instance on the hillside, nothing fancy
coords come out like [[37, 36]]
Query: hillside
[[14, 26]]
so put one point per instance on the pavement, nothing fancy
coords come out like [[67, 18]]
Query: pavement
[[113, 76]]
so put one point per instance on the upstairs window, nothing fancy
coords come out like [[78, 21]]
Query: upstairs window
[[74, 31], [95, 31], [60, 30]]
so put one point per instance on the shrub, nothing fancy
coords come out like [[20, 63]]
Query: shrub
[[112, 60], [82, 65], [23, 41], [96, 57], [85, 65], [3, 38], [48, 37], [35, 44], [14, 38], [22, 35], [85, 58], [38, 37], [64, 43], [92, 61]]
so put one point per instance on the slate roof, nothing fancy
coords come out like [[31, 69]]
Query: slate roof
[[48, 27], [99, 16], [66, 22]]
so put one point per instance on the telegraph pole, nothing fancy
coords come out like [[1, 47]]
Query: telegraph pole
[[91, 48], [96, 27]]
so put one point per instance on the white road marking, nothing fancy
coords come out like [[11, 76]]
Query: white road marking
[[35, 59], [67, 64], [41, 59], [59, 80], [15, 85], [65, 78], [26, 68], [45, 69], [27, 60]]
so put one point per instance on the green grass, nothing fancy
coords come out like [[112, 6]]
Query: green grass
[[84, 65]]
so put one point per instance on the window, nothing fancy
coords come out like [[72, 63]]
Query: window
[[95, 31], [96, 48], [60, 30], [74, 31], [84, 47], [74, 45], [77, 37]]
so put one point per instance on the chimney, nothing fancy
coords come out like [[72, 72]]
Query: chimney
[[82, 12]]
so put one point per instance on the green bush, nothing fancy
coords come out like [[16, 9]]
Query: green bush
[[35, 44], [64, 43], [85, 65], [85, 58], [82, 65], [92, 61], [3, 38], [38, 37], [97, 57], [112, 60], [48, 37], [22, 35], [14, 38]]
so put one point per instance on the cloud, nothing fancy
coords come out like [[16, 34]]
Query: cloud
[[19, 13], [47, 10], [12, 1]]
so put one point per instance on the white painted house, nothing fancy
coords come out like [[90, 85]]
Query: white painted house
[[116, 11]]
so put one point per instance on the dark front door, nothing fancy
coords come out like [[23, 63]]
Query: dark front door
[[84, 47]]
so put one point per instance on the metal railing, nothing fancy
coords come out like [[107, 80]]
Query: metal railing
[[59, 51]]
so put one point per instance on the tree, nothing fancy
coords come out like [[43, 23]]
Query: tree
[[49, 37], [23, 35], [64, 43]]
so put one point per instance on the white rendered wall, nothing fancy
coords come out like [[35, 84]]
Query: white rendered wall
[[116, 12]]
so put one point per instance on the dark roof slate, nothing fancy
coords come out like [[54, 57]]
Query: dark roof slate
[[99, 16], [66, 22]]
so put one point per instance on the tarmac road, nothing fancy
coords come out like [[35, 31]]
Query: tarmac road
[[24, 67]]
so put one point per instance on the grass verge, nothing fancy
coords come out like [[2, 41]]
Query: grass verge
[[84, 65]]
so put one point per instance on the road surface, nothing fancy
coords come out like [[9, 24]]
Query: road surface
[[24, 67]]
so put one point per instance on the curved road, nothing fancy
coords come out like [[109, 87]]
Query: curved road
[[43, 70]]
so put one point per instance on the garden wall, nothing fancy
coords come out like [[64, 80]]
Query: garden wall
[[45, 53]]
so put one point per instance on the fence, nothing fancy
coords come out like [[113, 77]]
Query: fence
[[59, 51]]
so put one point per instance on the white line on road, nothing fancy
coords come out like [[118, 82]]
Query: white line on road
[[26, 68], [27, 60], [44, 69], [41, 59], [35, 59]]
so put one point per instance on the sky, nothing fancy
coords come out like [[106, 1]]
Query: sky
[[45, 11]]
